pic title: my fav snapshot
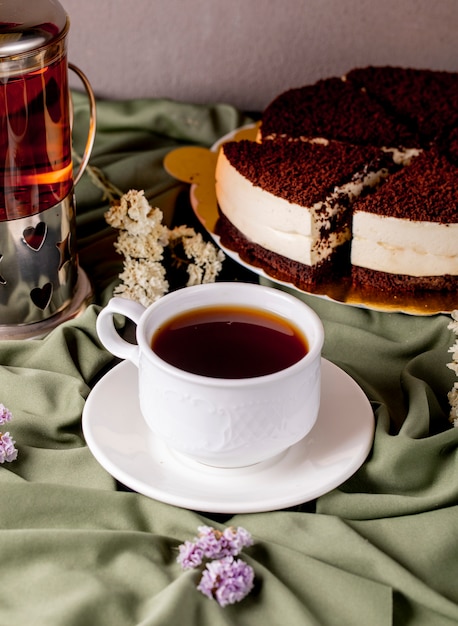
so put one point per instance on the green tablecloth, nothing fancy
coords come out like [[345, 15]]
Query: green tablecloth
[[77, 549]]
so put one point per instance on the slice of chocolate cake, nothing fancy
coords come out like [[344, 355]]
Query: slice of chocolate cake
[[405, 233], [335, 109], [425, 101], [285, 204]]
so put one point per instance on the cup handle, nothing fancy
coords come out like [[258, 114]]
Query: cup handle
[[108, 334], [92, 122]]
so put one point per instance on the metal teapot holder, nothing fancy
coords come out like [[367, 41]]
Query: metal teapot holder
[[41, 283]]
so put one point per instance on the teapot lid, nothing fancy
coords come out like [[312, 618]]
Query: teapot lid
[[27, 25]]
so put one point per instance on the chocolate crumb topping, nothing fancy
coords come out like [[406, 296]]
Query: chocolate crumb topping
[[303, 172], [335, 109], [424, 191], [426, 101]]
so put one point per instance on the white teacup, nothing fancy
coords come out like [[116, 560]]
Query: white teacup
[[223, 422]]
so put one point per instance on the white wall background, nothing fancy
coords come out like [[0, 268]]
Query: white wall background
[[245, 52]]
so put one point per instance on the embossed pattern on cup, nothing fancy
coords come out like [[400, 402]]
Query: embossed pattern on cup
[[234, 423]]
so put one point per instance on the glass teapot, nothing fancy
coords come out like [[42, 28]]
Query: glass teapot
[[40, 281]]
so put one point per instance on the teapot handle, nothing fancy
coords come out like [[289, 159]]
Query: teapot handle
[[92, 121]]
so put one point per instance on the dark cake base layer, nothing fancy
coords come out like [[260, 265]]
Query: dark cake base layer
[[335, 280], [364, 278], [330, 272]]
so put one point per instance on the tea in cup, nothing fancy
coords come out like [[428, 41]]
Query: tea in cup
[[229, 374]]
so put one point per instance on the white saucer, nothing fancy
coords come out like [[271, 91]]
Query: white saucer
[[335, 448]]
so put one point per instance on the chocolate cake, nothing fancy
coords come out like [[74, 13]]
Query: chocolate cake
[[404, 237], [395, 132], [299, 196]]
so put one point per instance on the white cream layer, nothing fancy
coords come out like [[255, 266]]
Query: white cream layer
[[399, 246], [280, 226]]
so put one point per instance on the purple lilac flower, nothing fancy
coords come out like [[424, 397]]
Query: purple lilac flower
[[191, 555], [7, 450], [217, 545], [237, 539], [227, 580], [213, 544], [224, 579], [5, 414], [208, 540]]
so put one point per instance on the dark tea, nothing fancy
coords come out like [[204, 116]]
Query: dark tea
[[35, 141], [229, 342]]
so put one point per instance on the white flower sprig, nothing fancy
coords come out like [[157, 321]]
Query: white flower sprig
[[143, 239], [453, 394], [8, 452]]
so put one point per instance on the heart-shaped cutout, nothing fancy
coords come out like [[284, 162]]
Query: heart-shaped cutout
[[2, 280], [41, 296], [34, 236], [64, 251]]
